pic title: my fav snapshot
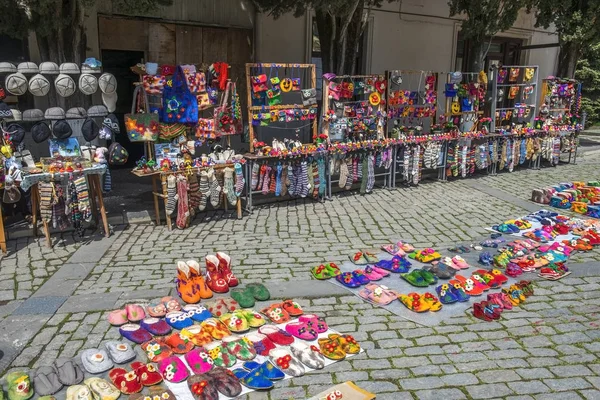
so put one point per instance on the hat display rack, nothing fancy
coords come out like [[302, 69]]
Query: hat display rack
[[412, 102], [284, 98]]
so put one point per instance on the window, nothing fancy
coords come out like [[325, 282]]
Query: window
[[502, 50]]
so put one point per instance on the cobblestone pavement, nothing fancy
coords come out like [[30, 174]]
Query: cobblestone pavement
[[547, 349]]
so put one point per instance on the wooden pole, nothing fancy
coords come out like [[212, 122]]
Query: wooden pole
[[155, 198], [98, 189], [2, 233], [250, 120], [314, 85]]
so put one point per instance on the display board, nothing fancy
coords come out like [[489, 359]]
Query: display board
[[514, 96]]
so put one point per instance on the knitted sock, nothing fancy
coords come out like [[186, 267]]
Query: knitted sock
[[343, 174], [284, 180], [359, 170], [378, 159], [427, 155], [265, 180], [240, 181], [183, 210], [204, 191], [171, 194], [254, 181], [83, 196], [310, 179], [322, 177], [215, 189], [350, 178], [278, 185], [45, 190], [371, 173], [406, 163], [273, 180], [303, 179], [388, 161], [193, 192], [355, 169], [364, 168], [261, 177], [523, 151], [75, 213], [58, 211], [228, 187], [293, 180], [416, 164], [316, 181], [107, 180]]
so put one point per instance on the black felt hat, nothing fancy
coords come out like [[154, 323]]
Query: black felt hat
[[16, 132], [90, 129], [61, 129], [112, 123], [40, 132]]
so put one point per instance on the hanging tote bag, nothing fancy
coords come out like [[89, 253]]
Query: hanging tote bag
[[179, 104], [224, 122], [141, 126], [171, 131]]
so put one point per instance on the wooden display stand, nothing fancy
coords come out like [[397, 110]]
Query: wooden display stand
[[2, 233], [252, 108]]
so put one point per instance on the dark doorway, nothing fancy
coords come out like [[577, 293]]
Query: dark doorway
[[118, 63], [501, 51]]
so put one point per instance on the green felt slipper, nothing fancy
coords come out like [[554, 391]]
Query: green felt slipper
[[19, 386], [259, 291], [320, 272], [244, 297], [427, 276], [415, 279]]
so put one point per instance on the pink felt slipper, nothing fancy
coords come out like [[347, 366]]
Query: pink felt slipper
[[199, 361], [135, 313], [315, 322], [173, 370], [301, 330], [460, 262], [380, 271], [393, 249], [117, 317], [370, 273]]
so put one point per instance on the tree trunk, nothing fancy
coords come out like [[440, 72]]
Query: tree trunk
[[567, 60], [476, 57], [326, 28]]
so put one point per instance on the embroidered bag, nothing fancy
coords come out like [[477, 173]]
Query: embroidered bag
[[154, 84], [141, 125], [309, 97], [206, 129], [203, 101], [224, 115], [179, 104], [171, 131]]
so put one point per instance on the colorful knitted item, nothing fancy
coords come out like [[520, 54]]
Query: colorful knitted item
[[183, 210], [303, 179], [240, 181], [46, 190], [193, 192], [285, 182], [228, 187], [76, 216], [273, 180], [350, 177], [316, 181], [215, 189], [171, 194], [278, 185], [364, 169], [59, 218], [322, 177], [84, 198], [204, 191], [254, 178], [370, 173]]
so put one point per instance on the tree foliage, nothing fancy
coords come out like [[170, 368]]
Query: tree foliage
[[577, 24], [340, 23], [588, 73], [484, 19]]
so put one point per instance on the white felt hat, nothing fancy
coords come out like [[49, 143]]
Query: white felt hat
[[88, 84], [28, 67], [65, 85], [39, 85], [107, 83], [49, 68], [16, 84]]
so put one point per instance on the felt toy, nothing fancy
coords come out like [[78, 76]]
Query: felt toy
[[101, 155]]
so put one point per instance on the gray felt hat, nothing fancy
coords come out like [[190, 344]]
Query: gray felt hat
[[76, 113], [28, 67], [16, 84], [33, 115], [69, 68], [7, 68], [97, 111], [39, 85], [49, 68], [54, 114]]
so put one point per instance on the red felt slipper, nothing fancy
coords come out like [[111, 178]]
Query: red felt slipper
[[292, 308], [278, 336], [148, 374], [126, 382], [214, 279]]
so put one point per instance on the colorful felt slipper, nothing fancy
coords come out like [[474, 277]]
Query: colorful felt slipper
[[395, 265], [332, 349], [135, 313], [320, 272], [413, 302], [156, 309], [426, 255], [358, 258], [157, 327], [95, 361], [173, 370], [148, 374], [202, 388], [171, 304], [197, 335], [315, 322], [236, 322], [178, 343], [380, 271], [179, 319], [215, 328], [276, 313], [449, 263], [434, 303], [348, 343], [415, 278], [259, 291], [359, 276], [244, 297], [255, 319], [445, 295], [197, 312], [370, 273], [393, 249], [301, 330], [292, 308], [225, 381], [126, 382], [199, 361], [261, 343], [241, 348], [117, 317], [135, 333], [256, 379], [468, 285], [333, 269], [378, 294], [156, 350], [285, 361], [102, 389], [19, 386], [221, 355], [347, 279], [460, 262], [276, 335], [74, 392], [310, 355], [479, 282]]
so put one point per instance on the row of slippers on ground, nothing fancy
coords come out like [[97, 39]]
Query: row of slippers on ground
[[579, 197]]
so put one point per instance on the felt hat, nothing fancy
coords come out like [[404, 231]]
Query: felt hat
[[107, 83], [7, 68], [167, 70], [110, 101], [61, 129], [112, 123], [90, 130], [40, 132], [69, 68], [16, 115], [39, 85], [28, 68], [49, 68], [91, 66], [33, 115], [65, 85], [54, 114], [151, 68], [88, 84], [16, 132], [456, 77], [97, 111], [5, 111], [76, 113], [16, 84]]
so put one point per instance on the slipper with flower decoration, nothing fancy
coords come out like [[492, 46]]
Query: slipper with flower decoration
[[309, 355], [457, 290], [225, 381], [485, 258], [358, 258], [413, 302], [393, 249], [220, 355], [178, 319], [171, 304], [359, 276], [426, 255], [380, 271], [285, 361], [468, 285], [480, 282], [445, 295], [261, 343], [197, 312], [19, 386], [276, 313], [117, 317], [126, 381], [255, 319], [395, 265], [236, 322], [320, 272], [370, 273], [101, 389], [434, 303], [179, 343], [215, 328], [513, 296], [254, 379], [415, 278], [370, 257], [331, 349], [156, 350], [487, 278], [276, 335], [199, 361], [156, 309], [315, 322], [157, 327], [378, 294], [240, 347], [148, 374], [526, 288], [197, 335], [292, 307], [513, 270], [348, 343], [202, 388], [301, 330], [347, 279]]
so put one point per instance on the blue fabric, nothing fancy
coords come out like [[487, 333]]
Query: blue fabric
[[179, 104]]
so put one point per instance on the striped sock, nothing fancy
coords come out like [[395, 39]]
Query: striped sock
[[228, 188], [204, 191], [322, 177], [355, 169], [183, 211], [215, 189], [316, 181], [364, 169], [350, 173], [303, 179], [273, 181], [193, 192], [265, 181], [371, 173], [171, 194], [284, 180], [293, 179], [343, 174], [254, 181], [278, 180], [240, 181]]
